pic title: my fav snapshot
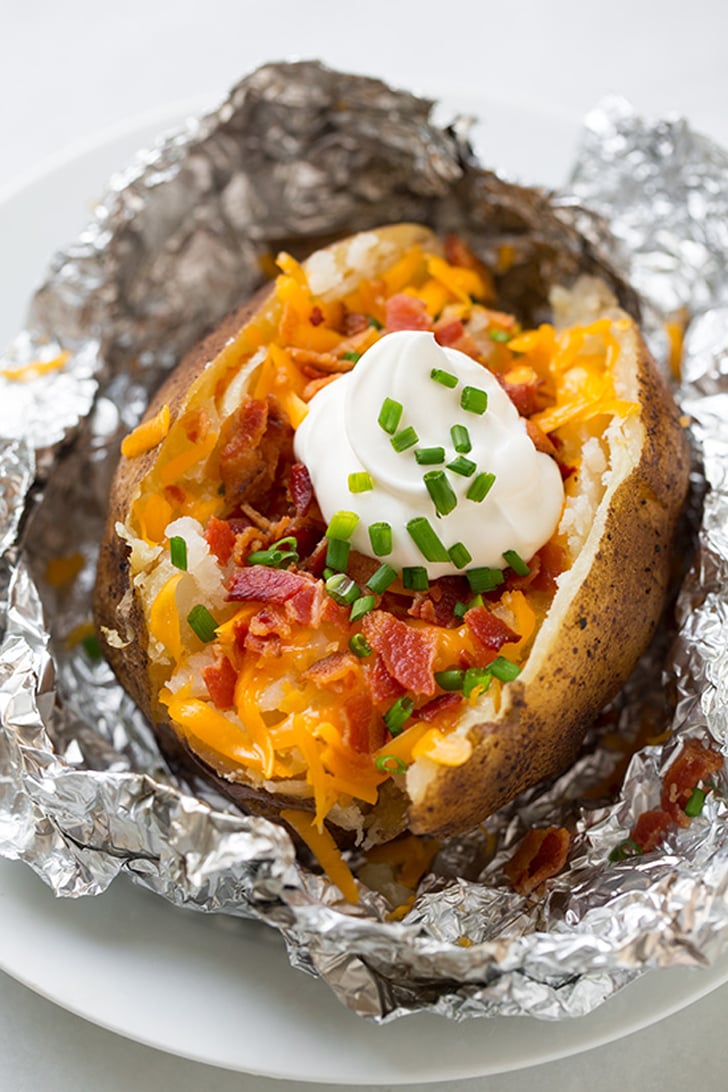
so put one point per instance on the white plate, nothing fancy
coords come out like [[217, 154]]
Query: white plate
[[215, 989]]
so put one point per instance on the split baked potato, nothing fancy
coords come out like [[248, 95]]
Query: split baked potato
[[297, 674]]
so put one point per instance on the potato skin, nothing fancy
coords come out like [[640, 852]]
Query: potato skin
[[605, 629]]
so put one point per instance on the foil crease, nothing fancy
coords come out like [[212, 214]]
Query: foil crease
[[297, 153]]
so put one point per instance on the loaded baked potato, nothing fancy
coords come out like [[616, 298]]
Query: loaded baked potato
[[380, 554]]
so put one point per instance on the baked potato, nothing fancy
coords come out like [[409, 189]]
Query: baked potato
[[305, 641]]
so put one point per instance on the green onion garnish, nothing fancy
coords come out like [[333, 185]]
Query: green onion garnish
[[499, 335], [380, 536], [474, 400], [273, 558], [414, 578], [460, 439], [694, 805], [446, 378], [342, 525], [452, 679], [391, 764], [425, 539], [360, 482], [461, 609], [327, 573], [476, 678], [430, 456], [463, 466], [625, 849], [379, 581], [460, 555], [504, 669], [202, 623], [405, 439], [91, 647], [178, 552], [389, 415], [362, 606], [354, 357], [484, 580], [442, 493], [480, 487], [359, 645], [398, 714], [375, 322], [516, 562], [342, 589], [337, 554]]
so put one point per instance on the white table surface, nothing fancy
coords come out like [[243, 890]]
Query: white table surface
[[70, 70]]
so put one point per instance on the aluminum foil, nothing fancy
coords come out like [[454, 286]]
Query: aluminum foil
[[297, 153]]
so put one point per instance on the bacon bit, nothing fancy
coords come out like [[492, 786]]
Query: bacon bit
[[541, 855], [551, 562], [539, 439], [366, 731], [355, 323], [265, 585], [265, 631], [316, 317], [442, 704], [404, 312], [360, 568], [220, 537], [220, 679], [448, 333], [175, 494], [331, 670], [334, 613], [322, 362], [381, 684], [408, 653], [437, 605], [650, 829], [300, 488], [246, 541], [491, 631], [524, 396], [695, 763], [197, 425], [254, 441], [301, 607], [315, 386], [565, 471]]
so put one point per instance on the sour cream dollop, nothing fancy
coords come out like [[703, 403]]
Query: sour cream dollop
[[341, 436]]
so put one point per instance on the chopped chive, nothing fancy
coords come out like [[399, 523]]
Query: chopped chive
[[355, 357], [360, 482], [625, 849], [342, 525], [460, 555], [452, 679], [361, 606], [289, 543], [375, 322], [360, 646], [342, 589], [484, 580], [327, 573], [499, 335], [446, 378], [516, 562], [272, 558], [474, 400], [503, 669], [460, 439], [430, 456], [426, 540], [398, 714], [382, 578], [480, 487], [380, 536], [694, 805], [389, 415], [337, 554], [441, 492], [405, 439], [476, 678], [414, 578], [391, 764], [463, 466], [460, 609], [202, 623], [91, 647], [178, 552]]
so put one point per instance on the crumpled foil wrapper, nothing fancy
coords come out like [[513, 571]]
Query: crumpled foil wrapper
[[296, 154]]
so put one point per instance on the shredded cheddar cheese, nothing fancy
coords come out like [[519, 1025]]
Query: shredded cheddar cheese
[[325, 850], [36, 368], [147, 435]]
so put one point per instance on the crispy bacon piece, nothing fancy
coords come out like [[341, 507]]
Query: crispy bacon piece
[[254, 442], [332, 670], [437, 604], [381, 684], [541, 855], [265, 585], [366, 730], [220, 537], [442, 704], [524, 396], [316, 317], [539, 439], [489, 630], [403, 312], [266, 630], [408, 653], [551, 563], [304, 606], [694, 763], [355, 323], [650, 829], [300, 488], [448, 333], [220, 679]]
